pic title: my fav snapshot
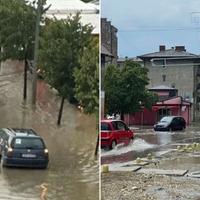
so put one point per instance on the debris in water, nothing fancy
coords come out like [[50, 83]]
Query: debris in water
[[105, 168], [44, 191]]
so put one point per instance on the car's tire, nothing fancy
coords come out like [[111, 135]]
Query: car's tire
[[113, 144]]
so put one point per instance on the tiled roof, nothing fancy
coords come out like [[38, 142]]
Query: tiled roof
[[168, 53]]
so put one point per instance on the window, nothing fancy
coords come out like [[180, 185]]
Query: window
[[114, 124], [164, 78], [175, 121], [31, 143], [105, 127], [121, 126]]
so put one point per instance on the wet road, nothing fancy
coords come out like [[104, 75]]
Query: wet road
[[159, 144], [72, 172]]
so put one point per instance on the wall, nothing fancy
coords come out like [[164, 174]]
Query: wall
[[109, 38], [182, 77]]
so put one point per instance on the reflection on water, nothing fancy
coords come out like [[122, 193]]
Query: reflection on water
[[73, 171], [182, 163]]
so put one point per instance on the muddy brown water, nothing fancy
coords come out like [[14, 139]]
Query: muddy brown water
[[159, 144], [73, 171]]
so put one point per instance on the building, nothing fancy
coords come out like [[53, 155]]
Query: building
[[109, 52], [173, 106], [89, 12], [176, 68], [164, 92], [109, 44]]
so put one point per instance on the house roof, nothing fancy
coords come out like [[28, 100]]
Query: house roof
[[72, 5], [162, 87], [169, 53], [89, 12], [174, 100]]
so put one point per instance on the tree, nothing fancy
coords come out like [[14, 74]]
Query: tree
[[87, 81], [111, 88], [86, 1], [125, 89], [17, 26], [87, 78], [17, 31], [62, 45]]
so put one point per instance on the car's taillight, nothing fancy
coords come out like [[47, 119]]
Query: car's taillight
[[46, 151], [9, 152]]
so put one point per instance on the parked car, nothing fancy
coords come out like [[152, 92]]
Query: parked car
[[170, 123], [22, 148], [114, 132]]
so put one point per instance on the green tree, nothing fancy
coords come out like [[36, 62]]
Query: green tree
[[86, 1], [125, 89], [17, 26], [87, 81], [87, 78], [111, 88], [62, 46]]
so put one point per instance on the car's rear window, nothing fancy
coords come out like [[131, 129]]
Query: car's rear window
[[166, 119], [27, 143], [105, 126]]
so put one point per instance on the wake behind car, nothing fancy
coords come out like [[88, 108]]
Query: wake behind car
[[22, 148], [114, 132], [170, 123]]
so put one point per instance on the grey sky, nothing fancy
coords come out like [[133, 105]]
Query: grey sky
[[145, 24]]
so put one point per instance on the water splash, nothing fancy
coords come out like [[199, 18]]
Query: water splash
[[138, 145]]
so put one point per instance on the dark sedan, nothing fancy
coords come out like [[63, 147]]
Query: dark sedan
[[170, 123]]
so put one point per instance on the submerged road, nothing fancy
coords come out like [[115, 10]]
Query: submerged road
[[73, 171]]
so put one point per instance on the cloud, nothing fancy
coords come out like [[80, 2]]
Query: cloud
[[142, 23], [149, 13]]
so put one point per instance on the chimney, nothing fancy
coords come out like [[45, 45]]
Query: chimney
[[180, 48], [162, 48]]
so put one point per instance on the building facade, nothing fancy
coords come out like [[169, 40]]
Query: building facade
[[109, 52], [109, 42], [178, 69]]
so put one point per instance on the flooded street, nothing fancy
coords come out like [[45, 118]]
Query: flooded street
[[161, 145], [73, 171]]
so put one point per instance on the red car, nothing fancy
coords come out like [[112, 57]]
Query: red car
[[114, 132]]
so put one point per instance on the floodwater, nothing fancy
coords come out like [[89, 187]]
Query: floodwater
[[73, 170], [160, 145]]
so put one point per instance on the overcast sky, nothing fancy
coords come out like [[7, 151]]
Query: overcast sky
[[143, 25]]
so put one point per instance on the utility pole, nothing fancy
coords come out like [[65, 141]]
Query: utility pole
[[36, 47]]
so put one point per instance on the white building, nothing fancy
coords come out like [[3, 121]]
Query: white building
[[89, 12]]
